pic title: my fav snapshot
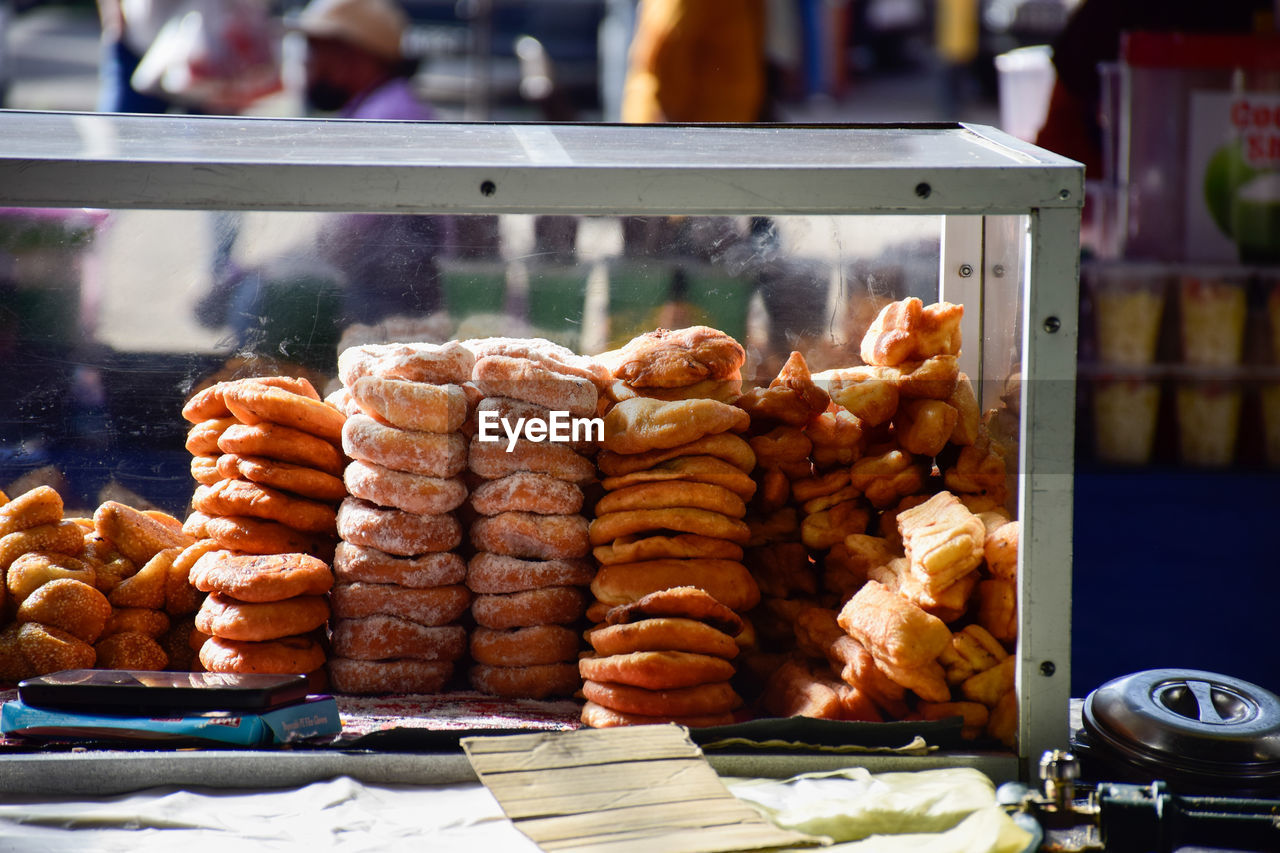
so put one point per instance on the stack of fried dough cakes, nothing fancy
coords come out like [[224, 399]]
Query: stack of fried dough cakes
[[530, 565], [399, 600], [266, 455]]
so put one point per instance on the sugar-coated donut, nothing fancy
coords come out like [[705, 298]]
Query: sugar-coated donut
[[435, 606], [428, 453], [383, 637], [525, 534], [497, 573], [353, 562], [493, 459], [414, 493], [411, 405], [395, 531], [522, 379], [531, 645], [285, 656], [527, 492], [526, 682], [367, 678], [437, 364], [553, 605]]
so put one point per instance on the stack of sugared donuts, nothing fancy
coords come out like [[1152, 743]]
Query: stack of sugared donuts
[[399, 598], [530, 536], [267, 459]]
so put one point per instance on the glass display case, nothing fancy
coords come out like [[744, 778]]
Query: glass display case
[[143, 257]]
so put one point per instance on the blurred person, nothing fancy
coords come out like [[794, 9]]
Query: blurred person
[[128, 29], [957, 34], [1072, 127], [696, 61]]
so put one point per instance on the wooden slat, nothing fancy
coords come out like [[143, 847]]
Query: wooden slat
[[697, 814]]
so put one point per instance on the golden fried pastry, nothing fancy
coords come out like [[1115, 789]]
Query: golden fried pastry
[[498, 573], [948, 603], [549, 605], [662, 633], [968, 414], [202, 439], [989, 685], [395, 531], [526, 491], [532, 536], [637, 548], [551, 356], [257, 536], [523, 379], [1003, 722], [973, 715], [282, 443], [353, 562], [141, 620], [428, 453], [230, 619], [610, 526], [130, 650], [495, 459], [441, 605], [724, 445], [243, 497], [287, 656], [259, 578], [204, 469], [74, 606], [723, 390], [727, 581], [909, 330], [696, 469], [783, 570], [829, 483], [383, 637], [979, 470], [796, 690], [436, 364], [688, 602], [837, 437], [63, 537], [1000, 550], [33, 569], [718, 697], [33, 508], [209, 402], [927, 680], [934, 378], [297, 479], [998, 609], [254, 402], [656, 670], [782, 525], [668, 493], [532, 645], [643, 424], [943, 540], [666, 358], [781, 444], [892, 628], [526, 682], [972, 650], [792, 397], [147, 586], [887, 476], [599, 717], [47, 649], [821, 530], [867, 392], [857, 667], [923, 426]]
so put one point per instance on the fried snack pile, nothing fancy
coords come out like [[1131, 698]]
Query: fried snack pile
[[266, 458], [398, 599], [109, 591], [530, 565], [676, 479]]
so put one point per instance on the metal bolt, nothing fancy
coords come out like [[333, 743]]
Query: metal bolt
[[1059, 771], [1048, 668], [923, 190], [1064, 194], [998, 270], [1052, 325], [965, 270], [488, 188]]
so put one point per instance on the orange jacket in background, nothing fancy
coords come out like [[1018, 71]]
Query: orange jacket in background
[[696, 61]]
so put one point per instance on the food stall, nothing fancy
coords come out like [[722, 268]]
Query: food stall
[[787, 239]]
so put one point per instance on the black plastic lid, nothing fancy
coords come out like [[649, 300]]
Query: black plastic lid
[[1189, 722]]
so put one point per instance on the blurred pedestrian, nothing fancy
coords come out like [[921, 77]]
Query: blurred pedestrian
[[128, 29], [957, 35]]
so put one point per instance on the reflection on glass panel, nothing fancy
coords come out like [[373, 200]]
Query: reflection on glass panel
[[109, 319]]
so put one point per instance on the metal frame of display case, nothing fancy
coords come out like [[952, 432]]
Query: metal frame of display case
[[978, 178]]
